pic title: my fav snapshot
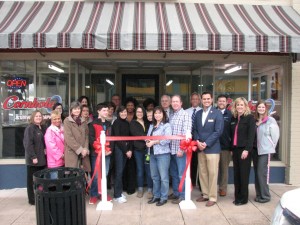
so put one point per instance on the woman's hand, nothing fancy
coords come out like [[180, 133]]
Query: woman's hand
[[129, 154], [35, 161], [244, 154], [84, 152], [150, 143]]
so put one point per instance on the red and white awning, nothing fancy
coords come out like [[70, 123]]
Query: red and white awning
[[153, 26]]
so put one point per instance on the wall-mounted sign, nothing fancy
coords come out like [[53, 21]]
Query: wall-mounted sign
[[13, 102], [16, 83]]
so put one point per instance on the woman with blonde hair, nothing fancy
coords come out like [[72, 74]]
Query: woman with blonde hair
[[54, 139], [34, 145], [267, 134], [242, 137]]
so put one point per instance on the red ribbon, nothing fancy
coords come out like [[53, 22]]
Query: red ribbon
[[98, 149], [188, 146], [98, 164]]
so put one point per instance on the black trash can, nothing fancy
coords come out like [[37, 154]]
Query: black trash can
[[60, 196]]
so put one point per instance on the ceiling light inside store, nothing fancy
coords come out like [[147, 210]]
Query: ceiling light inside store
[[169, 83], [233, 69], [110, 82], [55, 68]]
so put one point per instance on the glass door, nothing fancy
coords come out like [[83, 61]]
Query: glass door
[[140, 87]]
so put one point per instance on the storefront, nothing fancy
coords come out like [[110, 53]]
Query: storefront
[[58, 51]]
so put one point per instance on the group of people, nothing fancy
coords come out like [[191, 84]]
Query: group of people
[[220, 134]]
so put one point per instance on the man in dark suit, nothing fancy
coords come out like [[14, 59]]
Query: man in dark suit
[[225, 139], [208, 126]]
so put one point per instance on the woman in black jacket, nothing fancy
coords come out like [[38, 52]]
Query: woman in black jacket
[[139, 127], [242, 137], [34, 145], [122, 152]]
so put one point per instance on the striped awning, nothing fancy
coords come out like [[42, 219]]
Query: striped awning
[[149, 26]]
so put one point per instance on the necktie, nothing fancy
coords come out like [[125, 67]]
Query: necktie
[[193, 119]]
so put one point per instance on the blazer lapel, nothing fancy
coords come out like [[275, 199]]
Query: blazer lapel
[[208, 116]]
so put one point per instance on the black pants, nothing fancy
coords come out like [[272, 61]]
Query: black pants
[[30, 171], [129, 176], [241, 169], [120, 161], [194, 167]]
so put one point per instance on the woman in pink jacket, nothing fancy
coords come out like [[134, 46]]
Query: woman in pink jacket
[[54, 139]]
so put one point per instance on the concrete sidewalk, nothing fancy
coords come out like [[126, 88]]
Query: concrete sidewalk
[[16, 211]]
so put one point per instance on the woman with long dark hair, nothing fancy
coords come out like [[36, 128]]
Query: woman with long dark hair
[[139, 127], [159, 156], [267, 135]]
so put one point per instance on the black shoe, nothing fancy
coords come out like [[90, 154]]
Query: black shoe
[[153, 200], [172, 197], [31, 202], [261, 200], [240, 203], [160, 203]]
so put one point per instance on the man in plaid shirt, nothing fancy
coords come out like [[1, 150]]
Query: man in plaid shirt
[[181, 125]]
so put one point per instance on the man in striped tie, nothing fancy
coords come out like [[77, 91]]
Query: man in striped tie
[[195, 101]]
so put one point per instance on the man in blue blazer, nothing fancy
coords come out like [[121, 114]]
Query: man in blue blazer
[[208, 126]]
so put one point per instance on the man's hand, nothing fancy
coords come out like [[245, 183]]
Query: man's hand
[[201, 145], [179, 153]]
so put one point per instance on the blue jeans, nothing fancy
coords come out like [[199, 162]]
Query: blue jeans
[[159, 166], [141, 168], [120, 162], [94, 186], [177, 167]]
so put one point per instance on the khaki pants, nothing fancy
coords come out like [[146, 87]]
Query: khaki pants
[[208, 166], [225, 158]]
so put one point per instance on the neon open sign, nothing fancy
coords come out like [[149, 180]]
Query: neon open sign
[[16, 83]]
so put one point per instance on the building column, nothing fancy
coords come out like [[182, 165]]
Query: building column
[[293, 167]]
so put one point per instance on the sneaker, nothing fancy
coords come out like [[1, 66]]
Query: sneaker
[[120, 200], [123, 196], [149, 195], [93, 200], [140, 194]]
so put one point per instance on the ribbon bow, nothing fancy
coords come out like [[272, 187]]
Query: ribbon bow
[[98, 164], [188, 146]]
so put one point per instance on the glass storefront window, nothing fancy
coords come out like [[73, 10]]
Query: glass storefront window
[[179, 84], [52, 84], [233, 84], [103, 86], [20, 95], [17, 87], [268, 83]]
